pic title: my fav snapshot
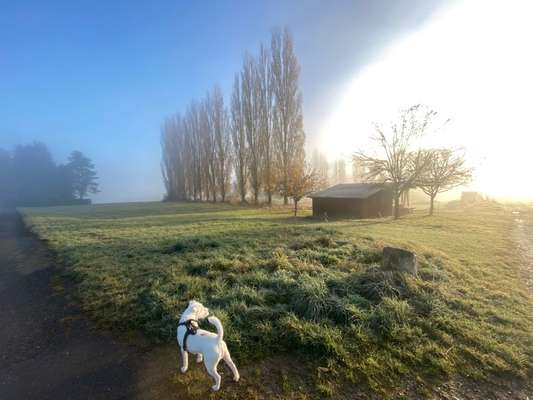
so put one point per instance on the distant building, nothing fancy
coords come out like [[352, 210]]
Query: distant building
[[471, 197], [353, 200]]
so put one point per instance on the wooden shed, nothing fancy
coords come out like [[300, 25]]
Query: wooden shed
[[353, 200]]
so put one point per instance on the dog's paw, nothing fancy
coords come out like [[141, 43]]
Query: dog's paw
[[183, 369], [199, 359], [236, 378], [215, 388]]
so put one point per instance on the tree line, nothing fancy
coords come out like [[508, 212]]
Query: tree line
[[29, 176], [256, 141]]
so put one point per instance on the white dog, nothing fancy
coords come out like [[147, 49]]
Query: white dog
[[208, 347]]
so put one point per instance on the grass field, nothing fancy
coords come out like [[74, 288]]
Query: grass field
[[309, 288]]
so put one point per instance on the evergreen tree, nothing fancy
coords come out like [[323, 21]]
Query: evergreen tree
[[83, 175]]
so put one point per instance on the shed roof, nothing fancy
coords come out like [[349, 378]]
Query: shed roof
[[350, 191]]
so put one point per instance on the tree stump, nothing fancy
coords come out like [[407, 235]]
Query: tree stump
[[400, 260]]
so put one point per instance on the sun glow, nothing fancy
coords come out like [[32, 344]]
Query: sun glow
[[472, 63]]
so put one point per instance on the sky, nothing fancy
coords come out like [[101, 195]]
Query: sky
[[100, 77]]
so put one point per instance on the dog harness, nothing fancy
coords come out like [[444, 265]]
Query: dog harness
[[191, 330]]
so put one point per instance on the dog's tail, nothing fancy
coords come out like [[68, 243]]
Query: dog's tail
[[220, 332]]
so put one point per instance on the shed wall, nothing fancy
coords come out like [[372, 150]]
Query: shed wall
[[378, 205]]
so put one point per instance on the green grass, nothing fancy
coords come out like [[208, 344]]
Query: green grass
[[304, 286]]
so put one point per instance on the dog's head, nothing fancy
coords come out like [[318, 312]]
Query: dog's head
[[197, 309]]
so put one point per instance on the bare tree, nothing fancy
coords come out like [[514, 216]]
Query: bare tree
[[446, 170], [168, 163], [238, 138], [339, 171], [172, 163], [320, 165], [188, 156], [334, 173], [194, 146], [302, 181], [399, 164], [266, 115], [220, 133], [288, 131], [252, 116], [358, 171], [207, 137]]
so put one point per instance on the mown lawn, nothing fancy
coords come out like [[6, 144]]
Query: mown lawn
[[310, 288]]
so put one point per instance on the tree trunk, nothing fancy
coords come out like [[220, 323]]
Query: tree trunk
[[243, 194], [285, 186], [268, 185], [295, 208], [396, 206], [242, 184], [431, 204]]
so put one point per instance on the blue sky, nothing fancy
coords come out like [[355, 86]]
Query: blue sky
[[100, 76]]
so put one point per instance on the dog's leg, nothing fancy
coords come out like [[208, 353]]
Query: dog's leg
[[199, 358], [211, 367], [184, 360], [231, 365]]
